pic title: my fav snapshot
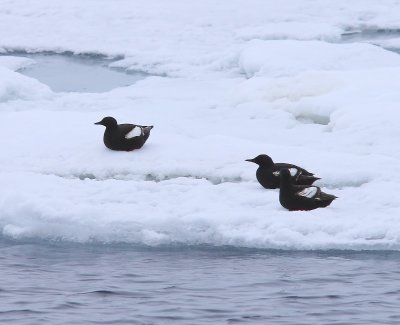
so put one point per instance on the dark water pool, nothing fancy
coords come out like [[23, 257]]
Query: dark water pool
[[370, 35], [77, 73], [373, 36], [63, 284]]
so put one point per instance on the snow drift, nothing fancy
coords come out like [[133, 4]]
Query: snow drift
[[227, 89]]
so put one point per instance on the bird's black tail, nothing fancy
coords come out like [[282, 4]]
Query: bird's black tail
[[326, 199], [147, 129]]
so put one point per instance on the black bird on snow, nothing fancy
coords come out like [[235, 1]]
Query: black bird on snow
[[301, 197], [268, 172], [124, 137]]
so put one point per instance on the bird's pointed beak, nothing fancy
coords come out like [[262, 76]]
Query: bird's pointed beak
[[98, 123], [250, 160]]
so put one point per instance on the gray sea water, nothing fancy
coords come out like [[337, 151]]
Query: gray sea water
[[45, 283]]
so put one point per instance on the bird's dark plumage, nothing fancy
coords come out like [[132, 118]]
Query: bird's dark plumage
[[301, 197], [124, 137], [268, 172]]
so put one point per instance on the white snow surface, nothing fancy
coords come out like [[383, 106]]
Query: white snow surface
[[289, 57], [232, 79]]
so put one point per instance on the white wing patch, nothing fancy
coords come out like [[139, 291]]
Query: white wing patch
[[308, 192], [136, 132], [292, 171]]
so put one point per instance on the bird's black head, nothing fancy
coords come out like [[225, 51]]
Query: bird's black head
[[285, 176], [108, 122], [262, 161], [285, 173]]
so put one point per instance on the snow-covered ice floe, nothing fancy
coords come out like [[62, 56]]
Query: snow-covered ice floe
[[230, 80]]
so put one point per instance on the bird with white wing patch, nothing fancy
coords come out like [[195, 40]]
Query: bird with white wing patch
[[301, 197], [124, 137], [268, 172]]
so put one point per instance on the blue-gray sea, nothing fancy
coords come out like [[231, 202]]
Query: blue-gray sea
[[49, 283]]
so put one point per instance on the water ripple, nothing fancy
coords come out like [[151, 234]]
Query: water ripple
[[201, 287]]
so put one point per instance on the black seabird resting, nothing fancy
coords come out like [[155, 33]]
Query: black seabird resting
[[301, 197], [268, 172], [124, 137]]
